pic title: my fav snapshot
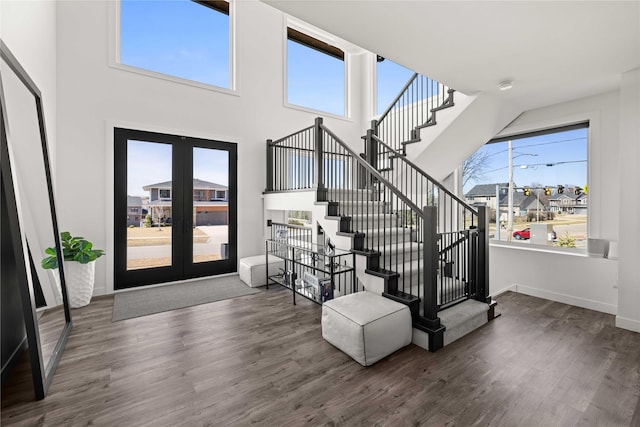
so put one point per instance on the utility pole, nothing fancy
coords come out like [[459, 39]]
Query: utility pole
[[497, 212], [510, 204]]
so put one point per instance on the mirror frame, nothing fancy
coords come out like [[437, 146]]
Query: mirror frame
[[42, 370]]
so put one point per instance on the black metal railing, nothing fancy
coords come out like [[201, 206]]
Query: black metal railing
[[453, 217], [429, 245], [290, 163], [296, 235], [412, 109]]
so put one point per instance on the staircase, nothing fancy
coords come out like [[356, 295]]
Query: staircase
[[417, 243]]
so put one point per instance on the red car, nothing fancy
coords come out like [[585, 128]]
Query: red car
[[526, 234]]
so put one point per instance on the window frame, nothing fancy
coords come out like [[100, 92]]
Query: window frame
[[164, 199], [587, 122], [115, 52], [322, 37]]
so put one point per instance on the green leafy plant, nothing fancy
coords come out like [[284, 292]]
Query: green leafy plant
[[148, 221], [73, 249], [566, 241]]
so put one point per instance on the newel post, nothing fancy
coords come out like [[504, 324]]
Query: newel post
[[430, 321], [321, 190], [371, 149], [482, 291]]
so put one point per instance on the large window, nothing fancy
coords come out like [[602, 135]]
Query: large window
[[315, 74], [180, 38], [391, 78], [549, 203]]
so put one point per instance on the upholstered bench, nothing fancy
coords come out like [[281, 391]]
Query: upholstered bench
[[366, 326], [253, 270]]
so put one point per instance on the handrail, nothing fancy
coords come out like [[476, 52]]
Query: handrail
[[292, 225], [423, 173], [397, 98], [277, 141], [374, 172], [465, 235], [412, 109]]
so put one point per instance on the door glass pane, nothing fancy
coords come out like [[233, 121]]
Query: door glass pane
[[210, 204], [149, 212]]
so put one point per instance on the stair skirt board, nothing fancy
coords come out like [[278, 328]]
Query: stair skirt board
[[459, 320]]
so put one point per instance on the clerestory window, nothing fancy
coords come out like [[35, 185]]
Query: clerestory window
[[390, 79], [315, 74], [185, 39]]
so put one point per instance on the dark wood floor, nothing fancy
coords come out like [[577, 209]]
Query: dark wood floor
[[260, 360]]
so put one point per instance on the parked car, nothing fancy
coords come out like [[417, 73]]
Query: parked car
[[526, 234]]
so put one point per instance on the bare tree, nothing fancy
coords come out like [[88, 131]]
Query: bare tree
[[475, 166]]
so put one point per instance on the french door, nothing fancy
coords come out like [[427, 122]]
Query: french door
[[175, 207]]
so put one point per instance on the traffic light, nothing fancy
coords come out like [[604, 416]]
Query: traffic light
[[577, 191], [560, 189], [547, 191], [527, 191], [584, 189]]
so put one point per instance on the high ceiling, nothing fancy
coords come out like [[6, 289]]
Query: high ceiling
[[552, 50]]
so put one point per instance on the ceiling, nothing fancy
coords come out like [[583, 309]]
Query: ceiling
[[552, 50]]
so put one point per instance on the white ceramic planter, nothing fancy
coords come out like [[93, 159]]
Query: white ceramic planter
[[80, 279]]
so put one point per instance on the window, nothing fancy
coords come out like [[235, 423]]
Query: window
[[164, 194], [549, 178], [221, 194], [391, 78], [198, 195], [315, 74], [180, 38]]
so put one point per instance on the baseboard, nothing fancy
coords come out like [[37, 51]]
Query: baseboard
[[511, 288], [13, 360], [565, 299], [629, 324]]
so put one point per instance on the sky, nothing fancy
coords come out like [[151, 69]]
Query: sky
[[178, 38], [150, 163], [391, 78], [551, 160]]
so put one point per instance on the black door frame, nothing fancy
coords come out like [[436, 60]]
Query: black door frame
[[182, 266]]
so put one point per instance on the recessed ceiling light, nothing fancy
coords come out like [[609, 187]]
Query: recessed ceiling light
[[505, 85]]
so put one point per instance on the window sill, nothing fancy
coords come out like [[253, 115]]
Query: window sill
[[317, 112], [166, 77], [541, 248]]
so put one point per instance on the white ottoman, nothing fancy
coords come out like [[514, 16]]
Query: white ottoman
[[366, 326], [253, 269]]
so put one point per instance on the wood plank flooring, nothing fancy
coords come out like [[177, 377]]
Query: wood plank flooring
[[258, 360]]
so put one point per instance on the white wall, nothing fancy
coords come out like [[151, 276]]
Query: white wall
[[571, 279], [576, 278], [28, 28], [629, 243], [94, 97]]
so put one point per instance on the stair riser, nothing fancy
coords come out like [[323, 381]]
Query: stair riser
[[388, 239], [353, 209], [374, 222], [401, 257]]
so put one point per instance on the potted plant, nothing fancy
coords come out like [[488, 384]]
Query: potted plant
[[80, 274]]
